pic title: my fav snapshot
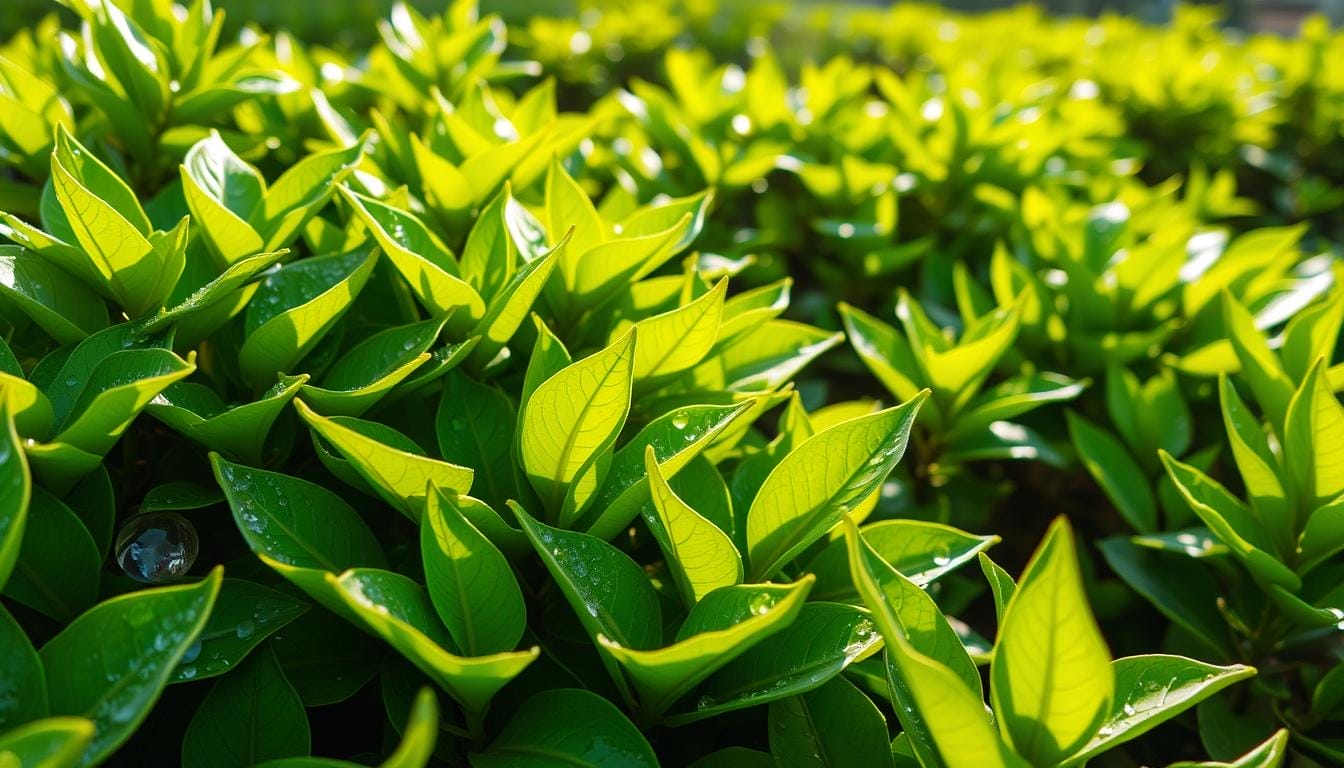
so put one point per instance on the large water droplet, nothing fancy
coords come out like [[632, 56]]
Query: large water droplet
[[245, 629], [193, 652], [680, 421], [156, 547]]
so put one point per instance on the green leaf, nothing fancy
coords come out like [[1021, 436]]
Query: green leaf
[[1120, 477], [598, 275], [99, 179], [818, 645], [677, 437], [1162, 419], [177, 495], [570, 726], [31, 409], [139, 66], [248, 717], [1051, 678], [886, 353], [609, 593], [834, 725], [397, 610], [111, 663], [15, 492], [62, 306], [245, 614], [420, 734], [327, 657], [367, 372], [474, 425], [23, 686], [1150, 690], [294, 522], [202, 307], [1231, 522], [572, 417], [1312, 333], [53, 742], [222, 191], [225, 177], [399, 477], [490, 254], [57, 571], [918, 550], [1002, 441], [1013, 398], [701, 557], [1181, 590], [130, 268], [945, 722], [1268, 754], [549, 357], [509, 308], [427, 265], [762, 359], [813, 487], [241, 431], [117, 390], [921, 623], [470, 581], [956, 374], [1323, 535], [724, 625], [1001, 584], [1258, 466], [748, 310], [300, 192], [1313, 427], [295, 307], [677, 340], [1259, 366], [567, 205]]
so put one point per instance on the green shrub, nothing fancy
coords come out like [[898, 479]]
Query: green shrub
[[374, 406]]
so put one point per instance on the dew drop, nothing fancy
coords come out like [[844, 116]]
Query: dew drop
[[761, 604], [193, 653], [942, 558], [156, 547], [704, 702], [680, 421], [245, 629], [408, 345], [188, 673], [1129, 710]]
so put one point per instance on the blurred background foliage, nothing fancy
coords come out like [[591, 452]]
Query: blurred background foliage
[[351, 23]]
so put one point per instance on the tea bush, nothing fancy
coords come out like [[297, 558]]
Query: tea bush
[[881, 388]]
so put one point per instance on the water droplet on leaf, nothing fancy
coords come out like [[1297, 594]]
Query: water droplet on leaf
[[761, 604]]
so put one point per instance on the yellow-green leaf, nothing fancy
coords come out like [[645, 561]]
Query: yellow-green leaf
[[1051, 676]]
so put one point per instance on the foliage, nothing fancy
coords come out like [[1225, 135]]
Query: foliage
[[505, 401]]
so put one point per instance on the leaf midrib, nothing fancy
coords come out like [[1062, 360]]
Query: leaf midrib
[[558, 471]]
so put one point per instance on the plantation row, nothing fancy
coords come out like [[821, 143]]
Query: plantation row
[[964, 397]]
